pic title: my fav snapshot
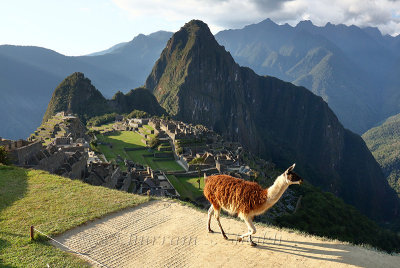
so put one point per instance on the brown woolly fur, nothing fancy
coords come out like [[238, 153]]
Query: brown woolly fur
[[247, 199], [234, 195]]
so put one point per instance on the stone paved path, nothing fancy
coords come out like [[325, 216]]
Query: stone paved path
[[168, 234]]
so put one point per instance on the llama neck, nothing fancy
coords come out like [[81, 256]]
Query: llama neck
[[277, 189]]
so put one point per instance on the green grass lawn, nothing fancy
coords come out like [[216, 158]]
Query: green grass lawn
[[187, 187], [167, 165], [53, 205], [147, 130], [129, 139], [119, 141], [148, 127], [103, 128]]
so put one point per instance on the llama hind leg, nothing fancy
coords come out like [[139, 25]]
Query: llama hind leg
[[210, 213], [251, 230], [217, 213]]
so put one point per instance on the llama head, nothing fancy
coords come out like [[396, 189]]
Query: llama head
[[291, 177]]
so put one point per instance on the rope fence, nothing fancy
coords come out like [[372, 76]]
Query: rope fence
[[33, 229], [32, 234]]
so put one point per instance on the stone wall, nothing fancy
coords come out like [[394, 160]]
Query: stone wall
[[53, 162], [79, 168], [21, 155]]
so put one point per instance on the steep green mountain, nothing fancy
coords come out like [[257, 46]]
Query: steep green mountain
[[77, 95], [29, 75], [197, 81], [324, 214], [355, 70], [384, 143], [136, 99]]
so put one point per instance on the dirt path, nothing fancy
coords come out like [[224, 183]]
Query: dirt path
[[168, 234]]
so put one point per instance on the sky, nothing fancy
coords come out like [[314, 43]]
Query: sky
[[79, 27]]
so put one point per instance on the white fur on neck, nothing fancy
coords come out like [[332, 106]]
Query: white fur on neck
[[277, 189]]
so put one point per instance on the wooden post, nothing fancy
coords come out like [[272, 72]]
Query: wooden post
[[32, 233]]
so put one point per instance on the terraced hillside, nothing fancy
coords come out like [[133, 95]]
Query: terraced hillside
[[59, 126], [119, 145], [318, 212]]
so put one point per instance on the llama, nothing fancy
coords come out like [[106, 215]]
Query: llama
[[244, 198]]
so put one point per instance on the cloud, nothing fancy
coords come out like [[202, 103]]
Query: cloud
[[223, 14]]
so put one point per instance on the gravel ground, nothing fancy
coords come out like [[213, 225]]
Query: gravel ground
[[168, 234]]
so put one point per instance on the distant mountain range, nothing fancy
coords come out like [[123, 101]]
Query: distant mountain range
[[197, 81], [28, 76], [357, 71]]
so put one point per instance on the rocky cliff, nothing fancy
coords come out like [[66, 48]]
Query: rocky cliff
[[383, 141], [197, 81], [344, 65]]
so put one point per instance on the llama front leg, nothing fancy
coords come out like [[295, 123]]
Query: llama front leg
[[251, 229], [210, 213], [217, 213]]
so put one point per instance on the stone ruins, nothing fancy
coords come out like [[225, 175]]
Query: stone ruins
[[61, 146]]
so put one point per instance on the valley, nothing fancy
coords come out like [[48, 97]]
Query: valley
[[140, 156], [151, 118]]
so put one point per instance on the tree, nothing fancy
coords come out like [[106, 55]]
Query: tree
[[153, 142], [138, 114], [198, 161], [254, 175], [4, 158]]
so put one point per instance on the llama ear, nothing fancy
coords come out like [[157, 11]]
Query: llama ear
[[290, 168]]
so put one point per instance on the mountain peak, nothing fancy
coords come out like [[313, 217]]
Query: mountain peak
[[197, 81], [196, 28], [268, 21], [76, 94], [195, 23], [182, 51], [76, 81], [305, 24], [76, 78]]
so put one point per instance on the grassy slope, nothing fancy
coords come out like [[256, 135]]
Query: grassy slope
[[53, 205], [187, 187], [324, 214], [103, 128]]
